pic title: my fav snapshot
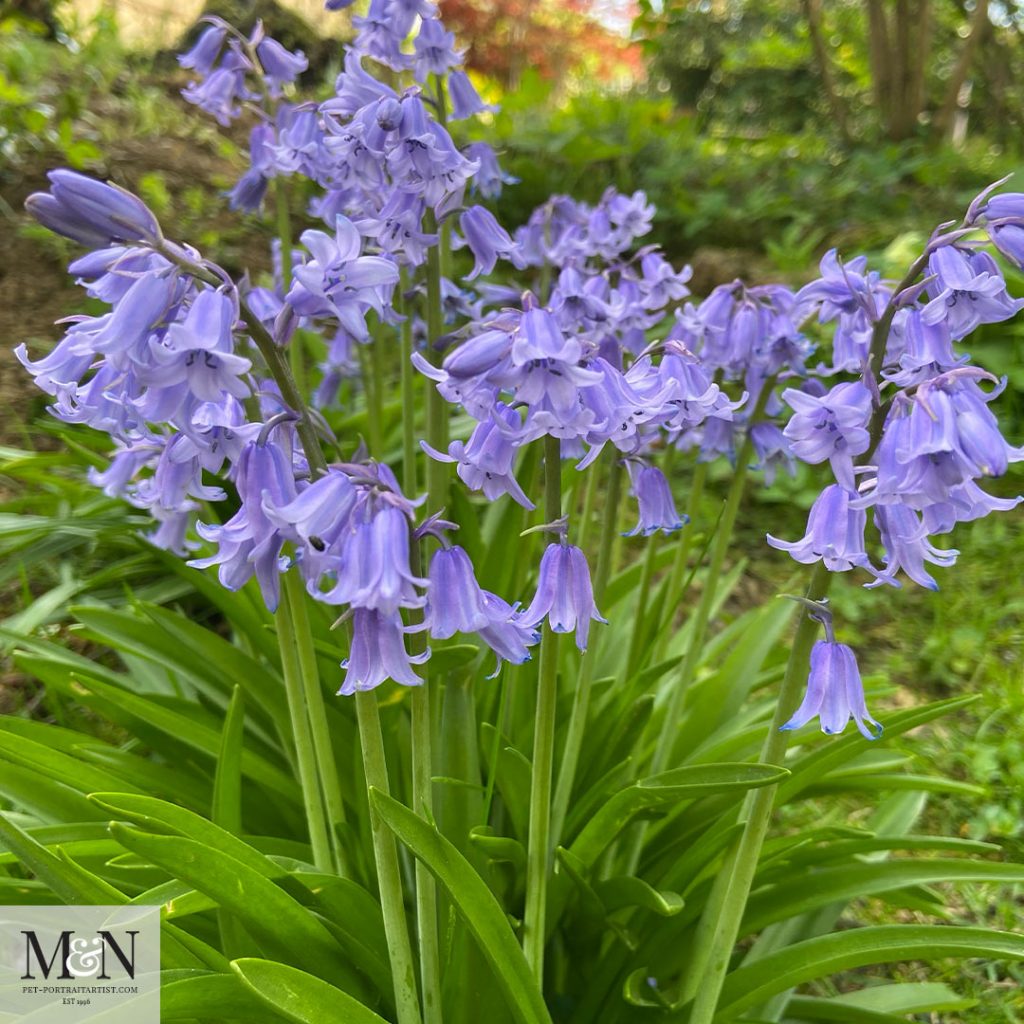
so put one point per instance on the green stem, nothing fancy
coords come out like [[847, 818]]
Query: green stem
[[296, 350], [375, 398], [581, 696], [695, 648], [385, 854], [423, 711], [426, 889], [327, 768], [437, 415], [640, 615], [304, 747], [408, 384], [674, 589], [589, 498], [720, 927], [539, 845]]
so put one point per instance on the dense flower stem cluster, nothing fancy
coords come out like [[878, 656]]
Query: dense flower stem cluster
[[231, 407]]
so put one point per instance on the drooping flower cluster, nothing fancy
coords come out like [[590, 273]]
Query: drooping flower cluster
[[910, 440], [587, 342]]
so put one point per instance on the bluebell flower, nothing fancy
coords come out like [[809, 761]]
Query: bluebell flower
[[455, 602], [835, 693], [507, 635], [772, 450], [660, 282], [485, 462], [397, 228], [968, 290], [424, 159], [297, 146], [654, 498], [851, 296], [832, 427], [564, 595], [92, 212], [907, 547], [487, 240], [379, 35], [249, 543], [464, 98], [320, 514], [199, 351], [488, 178], [374, 571], [936, 441], [282, 66], [220, 93], [922, 349], [377, 653], [435, 50], [964, 504], [340, 282], [354, 89], [835, 533], [203, 55]]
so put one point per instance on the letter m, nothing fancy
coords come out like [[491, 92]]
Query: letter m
[[32, 948]]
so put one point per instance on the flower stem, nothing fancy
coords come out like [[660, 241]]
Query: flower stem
[[670, 725], [539, 845], [408, 382], [720, 924], [674, 590], [385, 854], [581, 697], [323, 750], [421, 704], [304, 746], [640, 615], [437, 418], [296, 351]]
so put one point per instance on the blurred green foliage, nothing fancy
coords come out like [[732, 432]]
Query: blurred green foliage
[[788, 195]]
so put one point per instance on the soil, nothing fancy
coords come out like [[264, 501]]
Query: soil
[[35, 288]]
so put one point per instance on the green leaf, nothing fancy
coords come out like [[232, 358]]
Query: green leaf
[[476, 903], [810, 889], [282, 926], [301, 997], [179, 725], [227, 783], [686, 783], [880, 1004], [71, 882], [630, 891], [188, 995], [497, 848], [810, 768], [829, 954], [909, 997]]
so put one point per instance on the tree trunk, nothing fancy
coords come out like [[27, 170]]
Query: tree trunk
[[812, 11], [880, 56], [979, 22]]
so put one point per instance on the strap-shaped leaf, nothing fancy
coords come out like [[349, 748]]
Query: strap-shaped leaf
[[687, 783], [279, 923], [843, 951], [301, 997], [476, 903], [811, 889], [203, 995]]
